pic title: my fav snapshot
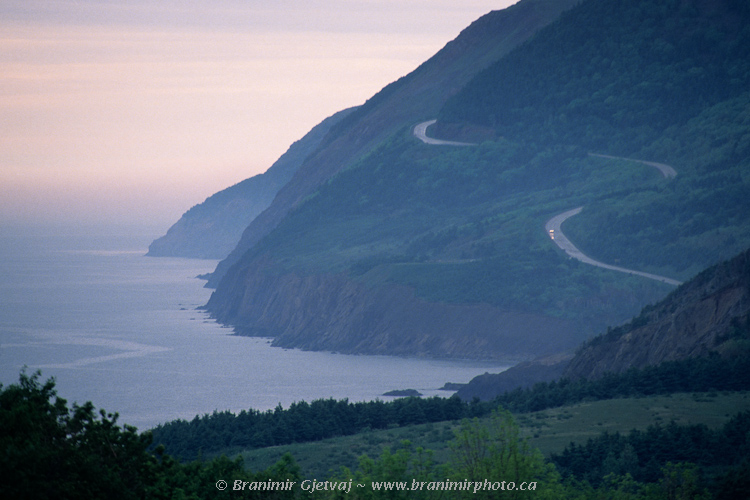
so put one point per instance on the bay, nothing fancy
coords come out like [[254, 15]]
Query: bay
[[85, 306]]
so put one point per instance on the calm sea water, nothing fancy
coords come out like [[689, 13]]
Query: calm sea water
[[122, 330]]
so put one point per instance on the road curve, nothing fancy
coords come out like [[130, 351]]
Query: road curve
[[553, 227], [420, 132], [667, 171]]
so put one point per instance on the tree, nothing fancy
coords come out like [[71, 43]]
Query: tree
[[51, 451], [403, 466], [492, 450], [680, 482]]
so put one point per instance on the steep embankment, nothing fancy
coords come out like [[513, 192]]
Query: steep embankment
[[706, 314], [709, 313], [419, 94], [335, 313], [210, 230]]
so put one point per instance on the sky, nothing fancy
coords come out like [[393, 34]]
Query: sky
[[132, 111]]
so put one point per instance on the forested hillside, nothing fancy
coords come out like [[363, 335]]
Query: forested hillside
[[661, 80], [51, 449], [441, 250], [613, 75], [416, 96]]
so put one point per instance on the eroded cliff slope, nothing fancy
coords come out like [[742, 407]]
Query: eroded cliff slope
[[706, 314], [335, 313]]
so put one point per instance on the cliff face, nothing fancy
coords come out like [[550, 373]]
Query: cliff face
[[210, 230], [333, 313], [710, 313], [695, 319]]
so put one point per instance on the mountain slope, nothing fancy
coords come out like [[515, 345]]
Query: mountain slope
[[613, 75], [210, 230], [657, 80], [418, 95], [431, 250], [709, 313]]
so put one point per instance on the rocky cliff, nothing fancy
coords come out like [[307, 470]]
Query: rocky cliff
[[334, 313], [710, 313], [701, 316]]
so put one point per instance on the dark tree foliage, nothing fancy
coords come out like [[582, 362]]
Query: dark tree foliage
[[50, 451], [735, 483], [643, 454], [711, 373], [303, 422]]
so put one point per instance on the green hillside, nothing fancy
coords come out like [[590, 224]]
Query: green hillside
[[461, 224], [461, 228], [53, 450], [549, 430], [665, 81]]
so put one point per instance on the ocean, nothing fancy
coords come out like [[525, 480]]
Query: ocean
[[124, 331]]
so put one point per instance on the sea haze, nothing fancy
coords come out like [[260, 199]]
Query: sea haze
[[123, 331]]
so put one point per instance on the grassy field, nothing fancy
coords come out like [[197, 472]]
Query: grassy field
[[548, 430]]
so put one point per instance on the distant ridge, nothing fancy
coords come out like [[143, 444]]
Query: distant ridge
[[210, 230]]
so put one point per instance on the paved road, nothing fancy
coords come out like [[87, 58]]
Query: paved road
[[553, 227], [420, 132], [667, 171]]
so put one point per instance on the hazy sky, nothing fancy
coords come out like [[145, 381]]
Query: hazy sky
[[132, 111]]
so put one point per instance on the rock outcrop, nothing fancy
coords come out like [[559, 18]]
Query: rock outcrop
[[334, 313], [697, 318]]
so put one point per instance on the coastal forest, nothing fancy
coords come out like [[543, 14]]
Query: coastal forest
[[55, 451]]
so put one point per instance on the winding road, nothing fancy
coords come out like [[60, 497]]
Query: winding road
[[420, 132], [555, 232], [667, 171], [554, 225]]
